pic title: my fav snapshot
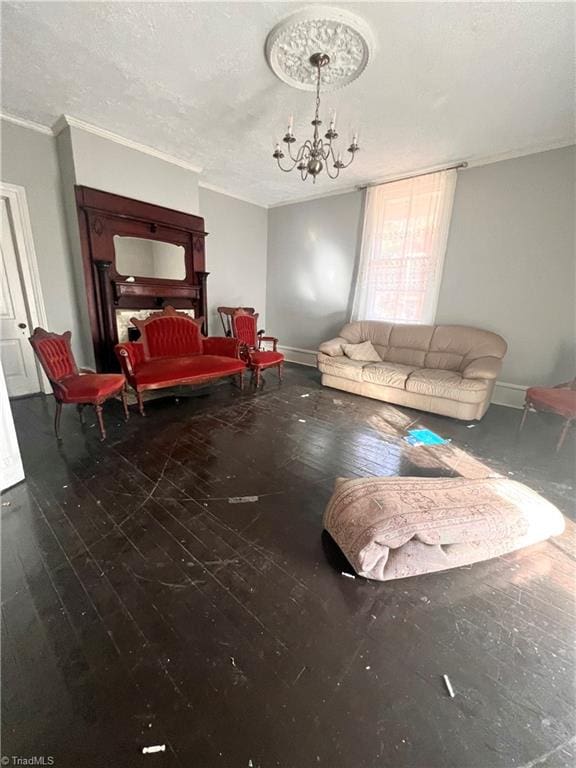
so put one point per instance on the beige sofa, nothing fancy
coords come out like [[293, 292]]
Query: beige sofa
[[445, 369]]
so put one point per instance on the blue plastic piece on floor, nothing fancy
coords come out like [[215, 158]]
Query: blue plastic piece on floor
[[424, 437]]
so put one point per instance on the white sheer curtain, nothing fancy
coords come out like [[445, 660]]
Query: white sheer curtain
[[403, 246]]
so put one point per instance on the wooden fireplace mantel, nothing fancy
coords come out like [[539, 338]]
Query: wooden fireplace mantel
[[101, 216]]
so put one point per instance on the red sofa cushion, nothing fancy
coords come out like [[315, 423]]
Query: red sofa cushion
[[265, 358], [89, 387], [172, 337], [167, 370], [561, 401]]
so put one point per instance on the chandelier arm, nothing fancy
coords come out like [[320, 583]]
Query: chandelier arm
[[294, 159], [286, 170], [337, 172], [352, 156]]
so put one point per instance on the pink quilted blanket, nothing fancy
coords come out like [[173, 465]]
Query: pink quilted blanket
[[390, 528]]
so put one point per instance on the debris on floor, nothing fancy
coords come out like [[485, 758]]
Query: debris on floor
[[424, 437], [471, 426], [306, 395], [154, 748], [302, 421], [448, 685], [233, 660], [348, 575], [6, 503], [242, 499]]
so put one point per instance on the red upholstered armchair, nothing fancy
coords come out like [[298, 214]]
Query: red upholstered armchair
[[172, 352], [245, 329], [560, 400], [71, 384]]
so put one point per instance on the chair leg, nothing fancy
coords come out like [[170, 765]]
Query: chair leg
[[57, 419], [125, 404], [140, 403], [280, 373], [98, 409], [257, 376], [524, 415], [563, 434], [241, 381], [80, 409]]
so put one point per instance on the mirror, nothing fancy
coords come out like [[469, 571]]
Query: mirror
[[140, 257]]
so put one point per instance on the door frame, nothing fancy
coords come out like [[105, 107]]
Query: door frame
[[28, 263]]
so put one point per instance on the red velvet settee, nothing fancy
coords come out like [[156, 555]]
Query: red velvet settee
[[172, 351]]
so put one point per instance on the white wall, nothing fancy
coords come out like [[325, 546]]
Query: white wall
[[235, 255], [29, 159], [509, 267]]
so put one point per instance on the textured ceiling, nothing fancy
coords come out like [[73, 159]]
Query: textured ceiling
[[448, 81]]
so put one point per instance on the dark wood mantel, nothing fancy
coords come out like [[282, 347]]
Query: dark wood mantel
[[101, 216]]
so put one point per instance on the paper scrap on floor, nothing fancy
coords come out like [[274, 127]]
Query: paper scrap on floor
[[424, 437]]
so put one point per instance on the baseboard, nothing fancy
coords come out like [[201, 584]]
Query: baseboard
[[510, 395], [299, 355]]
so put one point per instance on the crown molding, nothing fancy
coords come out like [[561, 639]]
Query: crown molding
[[67, 121], [512, 154], [321, 196], [220, 191], [33, 126], [473, 162]]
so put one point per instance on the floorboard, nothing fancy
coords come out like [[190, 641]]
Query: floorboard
[[140, 606]]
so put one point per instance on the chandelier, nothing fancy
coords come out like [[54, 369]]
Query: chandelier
[[316, 153]]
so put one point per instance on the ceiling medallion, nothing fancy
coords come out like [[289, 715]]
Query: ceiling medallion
[[308, 51], [342, 36]]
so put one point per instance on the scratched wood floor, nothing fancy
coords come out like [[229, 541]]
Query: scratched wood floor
[[140, 607]]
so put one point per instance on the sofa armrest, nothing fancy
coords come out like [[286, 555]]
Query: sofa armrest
[[483, 368], [226, 346], [130, 355], [333, 347]]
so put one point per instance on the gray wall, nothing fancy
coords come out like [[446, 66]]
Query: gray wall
[[312, 251], [510, 262], [235, 255], [94, 161], [509, 267], [29, 159], [104, 164]]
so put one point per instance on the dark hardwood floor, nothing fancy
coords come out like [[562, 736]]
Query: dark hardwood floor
[[141, 607]]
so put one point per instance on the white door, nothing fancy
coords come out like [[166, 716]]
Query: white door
[[16, 354]]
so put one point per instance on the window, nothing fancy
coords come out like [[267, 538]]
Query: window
[[403, 245]]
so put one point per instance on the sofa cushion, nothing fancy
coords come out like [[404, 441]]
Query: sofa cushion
[[264, 358], [89, 387], [172, 336], [173, 369], [391, 528], [389, 374], [453, 347], [448, 384], [364, 351], [408, 344], [341, 366], [333, 347]]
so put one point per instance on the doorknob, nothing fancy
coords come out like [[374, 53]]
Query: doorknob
[[21, 325]]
